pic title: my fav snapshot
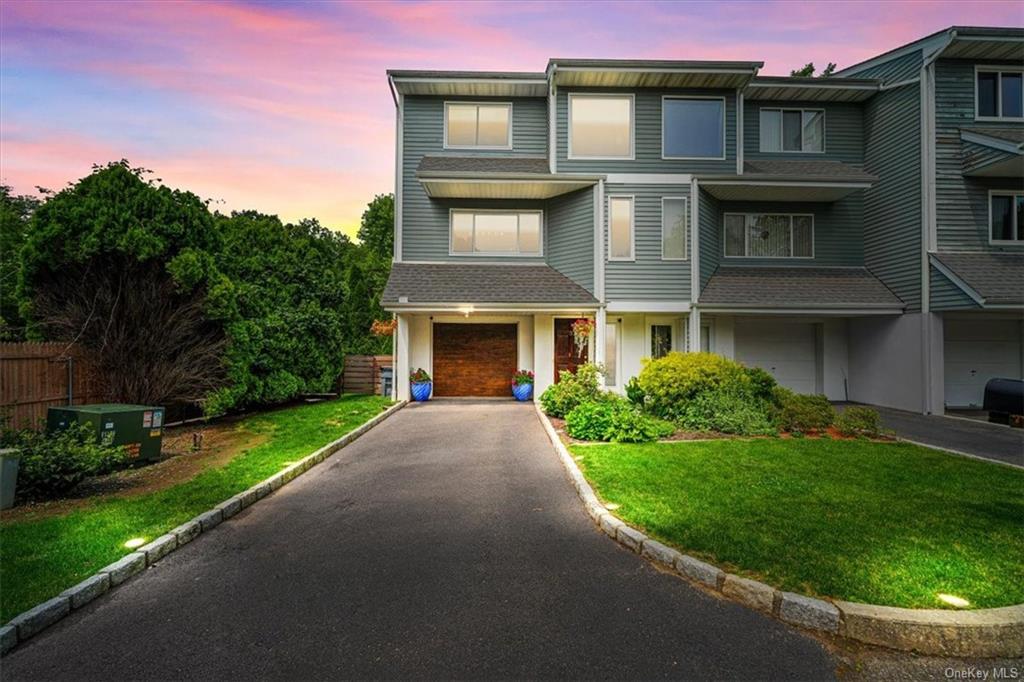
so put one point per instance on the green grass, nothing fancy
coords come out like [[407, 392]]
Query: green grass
[[883, 523], [42, 557]]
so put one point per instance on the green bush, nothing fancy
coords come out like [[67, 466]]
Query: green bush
[[726, 411], [762, 384], [798, 413], [591, 420], [53, 464], [670, 382], [614, 419], [560, 399], [857, 420], [634, 393]]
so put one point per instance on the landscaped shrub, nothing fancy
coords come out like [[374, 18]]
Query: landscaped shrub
[[798, 413], [857, 420], [53, 464], [559, 399], [733, 411], [670, 382], [634, 393], [614, 419], [591, 420], [761, 383]]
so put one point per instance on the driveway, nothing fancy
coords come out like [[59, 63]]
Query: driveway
[[445, 543]]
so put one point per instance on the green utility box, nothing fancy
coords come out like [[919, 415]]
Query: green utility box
[[139, 428]]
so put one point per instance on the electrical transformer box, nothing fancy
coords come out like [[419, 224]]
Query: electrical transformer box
[[139, 428]]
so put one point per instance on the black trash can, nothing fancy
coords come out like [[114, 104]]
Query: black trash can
[[387, 376]]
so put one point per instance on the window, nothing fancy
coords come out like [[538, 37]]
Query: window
[[469, 124], [611, 354], [673, 228], [510, 233], [1006, 217], [792, 130], [705, 338], [661, 340], [692, 128], [999, 93], [600, 127], [620, 228], [764, 235]]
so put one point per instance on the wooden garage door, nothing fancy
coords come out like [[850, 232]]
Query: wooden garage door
[[474, 359]]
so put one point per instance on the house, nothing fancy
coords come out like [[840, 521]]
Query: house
[[856, 236]]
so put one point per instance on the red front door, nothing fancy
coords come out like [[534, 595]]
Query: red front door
[[567, 355]]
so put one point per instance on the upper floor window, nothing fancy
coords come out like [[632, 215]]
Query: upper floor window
[[769, 235], [673, 228], [792, 130], [1000, 93], [693, 128], [1006, 217], [479, 125], [496, 233], [620, 228], [600, 126]]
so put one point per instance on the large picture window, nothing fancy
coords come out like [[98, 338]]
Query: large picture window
[[600, 126], [501, 233], [1006, 217], [692, 128], [673, 228], [620, 228], [769, 235], [792, 130], [479, 125], [999, 93]]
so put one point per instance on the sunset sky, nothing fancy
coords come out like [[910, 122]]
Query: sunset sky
[[285, 108]]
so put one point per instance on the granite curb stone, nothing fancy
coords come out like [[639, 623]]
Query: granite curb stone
[[87, 590], [40, 616], [125, 567]]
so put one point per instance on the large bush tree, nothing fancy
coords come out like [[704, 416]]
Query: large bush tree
[[15, 212]]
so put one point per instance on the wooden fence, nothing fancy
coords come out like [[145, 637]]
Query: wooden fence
[[35, 376], [362, 373]]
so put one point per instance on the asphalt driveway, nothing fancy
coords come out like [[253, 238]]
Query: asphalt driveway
[[445, 543]]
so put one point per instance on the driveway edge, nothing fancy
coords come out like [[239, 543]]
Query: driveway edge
[[33, 621], [997, 632]]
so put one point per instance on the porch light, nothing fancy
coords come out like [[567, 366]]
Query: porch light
[[135, 542], [954, 600], [466, 310]]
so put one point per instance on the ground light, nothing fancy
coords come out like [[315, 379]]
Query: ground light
[[135, 542], [954, 600], [611, 506]]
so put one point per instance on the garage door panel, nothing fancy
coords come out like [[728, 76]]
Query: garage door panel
[[474, 359], [787, 350], [975, 351]]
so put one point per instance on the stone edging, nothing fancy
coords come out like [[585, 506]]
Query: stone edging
[[41, 616], [984, 632]]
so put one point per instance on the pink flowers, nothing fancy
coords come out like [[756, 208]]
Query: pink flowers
[[522, 376]]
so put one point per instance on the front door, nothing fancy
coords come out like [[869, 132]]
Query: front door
[[567, 355]]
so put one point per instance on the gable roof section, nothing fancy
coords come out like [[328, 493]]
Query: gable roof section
[[789, 180], [509, 164], [469, 83], [781, 288], [651, 73], [991, 279], [460, 284]]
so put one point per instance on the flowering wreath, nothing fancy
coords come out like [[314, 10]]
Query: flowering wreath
[[581, 331], [383, 327]]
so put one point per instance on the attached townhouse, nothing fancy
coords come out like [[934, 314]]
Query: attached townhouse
[[860, 236]]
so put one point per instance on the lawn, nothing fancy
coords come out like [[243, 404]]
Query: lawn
[[882, 523], [43, 556]]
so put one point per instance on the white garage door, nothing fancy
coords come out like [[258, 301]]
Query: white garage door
[[976, 351], [786, 349]]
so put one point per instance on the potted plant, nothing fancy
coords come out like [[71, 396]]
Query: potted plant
[[421, 385], [522, 384]]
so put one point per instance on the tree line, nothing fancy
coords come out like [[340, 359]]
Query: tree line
[[180, 304]]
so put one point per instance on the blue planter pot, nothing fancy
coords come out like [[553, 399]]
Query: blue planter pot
[[421, 391], [522, 392]]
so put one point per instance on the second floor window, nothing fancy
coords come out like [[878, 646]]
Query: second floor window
[[1000, 93], [600, 126], [769, 235], [692, 128], [1006, 217], [481, 125], [496, 233], [792, 130]]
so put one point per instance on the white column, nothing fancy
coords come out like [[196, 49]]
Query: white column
[[543, 353], [693, 344], [402, 358], [599, 336]]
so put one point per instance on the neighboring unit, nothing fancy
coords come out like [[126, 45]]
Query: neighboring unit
[[860, 236]]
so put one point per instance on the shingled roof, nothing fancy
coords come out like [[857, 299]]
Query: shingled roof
[[797, 287], [805, 169], [479, 283], [439, 164], [997, 278]]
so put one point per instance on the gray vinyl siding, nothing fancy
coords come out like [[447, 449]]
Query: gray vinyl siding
[[837, 232], [894, 70], [710, 230], [844, 131], [961, 202], [647, 132], [570, 236], [892, 207], [945, 295], [425, 221], [647, 277]]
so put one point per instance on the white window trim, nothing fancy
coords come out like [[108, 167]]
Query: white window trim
[[617, 323], [632, 228], [686, 229], [999, 95], [503, 254], [1018, 229], [824, 131], [746, 236], [506, 146], [725, 115], [632, 126]]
